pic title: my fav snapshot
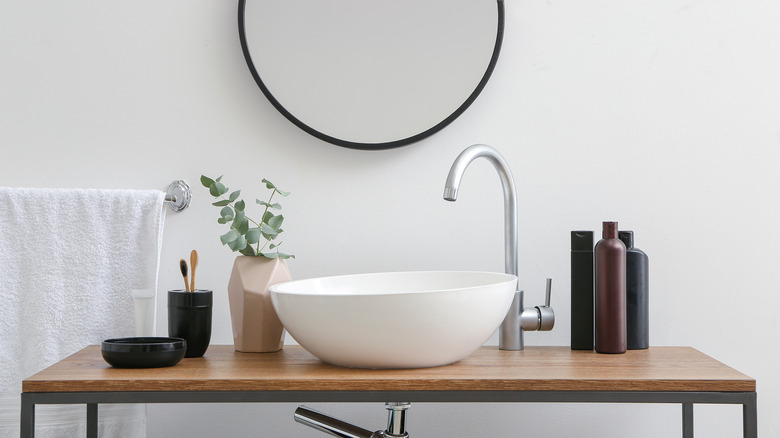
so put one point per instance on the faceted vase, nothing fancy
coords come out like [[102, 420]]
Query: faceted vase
[[256, 327]]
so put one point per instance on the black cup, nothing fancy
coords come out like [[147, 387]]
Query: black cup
[[189, 317]]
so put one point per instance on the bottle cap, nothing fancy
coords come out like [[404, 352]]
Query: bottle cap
[[582, 240], [627, 237], [609, 230]]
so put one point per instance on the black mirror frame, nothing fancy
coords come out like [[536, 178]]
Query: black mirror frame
[[372, 146]]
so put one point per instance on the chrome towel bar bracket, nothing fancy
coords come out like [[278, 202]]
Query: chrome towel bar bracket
[[179, 195]]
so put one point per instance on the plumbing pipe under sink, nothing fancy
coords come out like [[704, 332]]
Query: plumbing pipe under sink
[[396, 423]]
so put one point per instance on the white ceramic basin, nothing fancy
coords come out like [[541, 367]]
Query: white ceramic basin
[[394, 320]]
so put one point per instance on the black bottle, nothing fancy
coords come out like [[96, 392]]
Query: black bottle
[[582, 290], [609, 257], [637, 294]]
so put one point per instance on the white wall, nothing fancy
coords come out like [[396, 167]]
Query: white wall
[[663, 115]]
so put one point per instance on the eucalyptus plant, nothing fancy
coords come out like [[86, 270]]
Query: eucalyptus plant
[[248, 236]]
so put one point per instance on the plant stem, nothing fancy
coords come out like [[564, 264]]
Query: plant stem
[[263, 219]]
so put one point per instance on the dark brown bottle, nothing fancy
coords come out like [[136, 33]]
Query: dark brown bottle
[[610, 278]]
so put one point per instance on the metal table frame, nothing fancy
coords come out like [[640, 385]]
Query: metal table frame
[[687, 399]]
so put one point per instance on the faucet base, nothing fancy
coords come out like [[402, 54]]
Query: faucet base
[[510, 335]]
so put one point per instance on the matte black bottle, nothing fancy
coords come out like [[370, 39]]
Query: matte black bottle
[[582, 290], [610, 275], [637, 294]]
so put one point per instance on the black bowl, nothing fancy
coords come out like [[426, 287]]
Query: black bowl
[[143, 352]]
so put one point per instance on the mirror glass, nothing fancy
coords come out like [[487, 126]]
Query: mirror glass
[[371, 74]]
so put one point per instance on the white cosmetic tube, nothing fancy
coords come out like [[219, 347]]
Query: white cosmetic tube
[[143, 299]]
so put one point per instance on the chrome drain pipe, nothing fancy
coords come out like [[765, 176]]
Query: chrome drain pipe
[[396, 423], [396, 419], [327, 424]]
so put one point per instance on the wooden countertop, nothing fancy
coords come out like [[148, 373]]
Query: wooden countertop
[[487, 369]]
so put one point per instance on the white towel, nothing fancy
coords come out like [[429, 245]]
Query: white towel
[[68, 260]]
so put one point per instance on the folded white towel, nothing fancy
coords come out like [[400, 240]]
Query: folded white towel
[[68, 260]]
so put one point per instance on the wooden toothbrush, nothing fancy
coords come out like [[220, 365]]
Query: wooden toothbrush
[[183, 267], [193, 266]]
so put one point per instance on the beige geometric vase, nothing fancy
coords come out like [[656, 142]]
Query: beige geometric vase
[[256, 328]]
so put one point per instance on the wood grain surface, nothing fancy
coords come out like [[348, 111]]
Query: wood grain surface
[[487, 369]]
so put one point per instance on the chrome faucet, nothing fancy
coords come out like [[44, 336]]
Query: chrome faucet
[[510, 336]]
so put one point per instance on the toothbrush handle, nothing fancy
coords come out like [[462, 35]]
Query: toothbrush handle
[[193, 265]]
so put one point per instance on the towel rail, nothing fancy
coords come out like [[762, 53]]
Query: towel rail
[[179, 195]]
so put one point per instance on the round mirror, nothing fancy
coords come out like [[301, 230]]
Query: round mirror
[[371, 74]]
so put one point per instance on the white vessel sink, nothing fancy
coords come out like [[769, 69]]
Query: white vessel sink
[[394, 320]]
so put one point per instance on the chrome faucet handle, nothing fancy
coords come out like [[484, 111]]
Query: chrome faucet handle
[[541, 318], [546, 314], [547, 293]]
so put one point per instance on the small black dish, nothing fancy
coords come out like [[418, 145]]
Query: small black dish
[[143, 352]]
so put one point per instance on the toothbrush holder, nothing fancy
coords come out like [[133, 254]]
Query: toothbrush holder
[[189, 317]]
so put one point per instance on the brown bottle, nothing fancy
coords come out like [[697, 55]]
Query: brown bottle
[[610, 277]]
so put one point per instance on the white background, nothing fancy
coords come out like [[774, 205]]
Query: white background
[[662, 115]]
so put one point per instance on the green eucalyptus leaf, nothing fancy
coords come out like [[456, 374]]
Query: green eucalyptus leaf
[[253, 235], [276, 221], [267, 229], [268, 232], [282, 192], [238, 219], [269, 184], [234, 195], [286, 256], [273, 245], [270, 255], [227, 213], [268, 216], [228, 237], [222, 220], [220, 177], [248, 251], [217, 189], [243, 227], [238, 244], [206, 181], [221, 203], [275, 205], [240, 205]]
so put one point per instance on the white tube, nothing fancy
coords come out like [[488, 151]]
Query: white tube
[[143, 300]]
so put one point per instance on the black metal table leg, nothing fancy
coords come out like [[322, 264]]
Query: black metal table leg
[[750, 417], [92, 420], [687, 409], [27, 424]]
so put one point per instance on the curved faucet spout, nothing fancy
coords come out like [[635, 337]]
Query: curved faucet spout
[[510, 197]]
